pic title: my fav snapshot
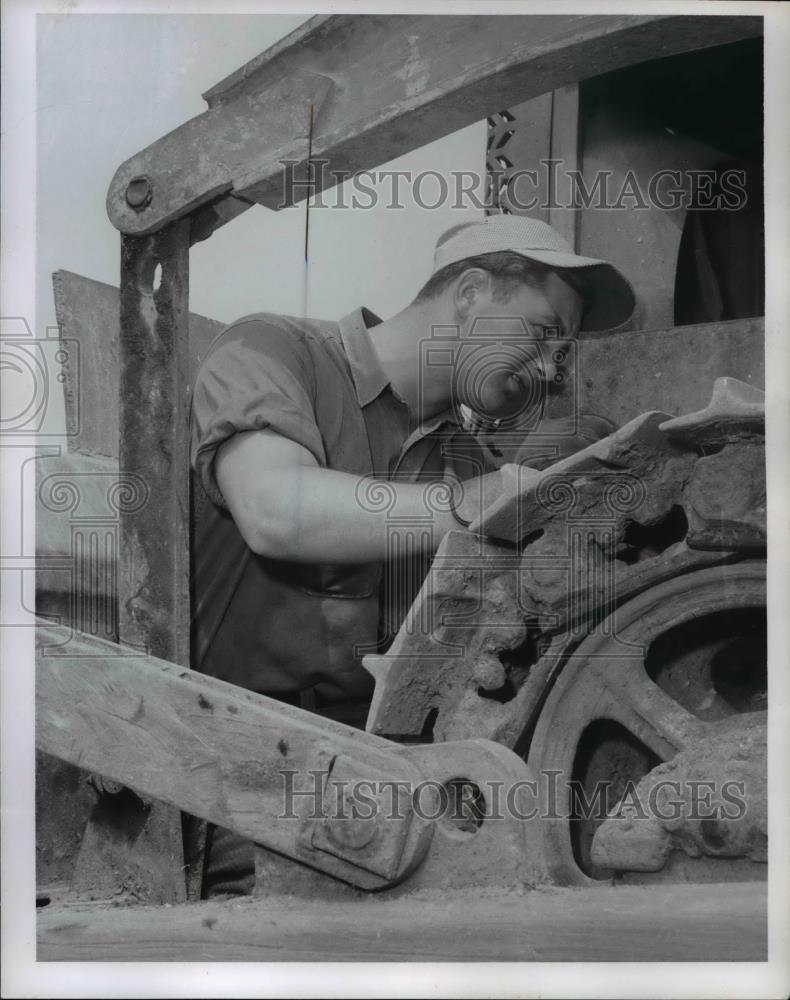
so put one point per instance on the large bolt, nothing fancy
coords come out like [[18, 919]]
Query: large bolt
[[139, 193], [351, 832]]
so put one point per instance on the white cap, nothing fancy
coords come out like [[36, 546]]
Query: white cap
[[612, 297]]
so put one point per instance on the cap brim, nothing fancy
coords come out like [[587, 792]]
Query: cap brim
[[613, 299]]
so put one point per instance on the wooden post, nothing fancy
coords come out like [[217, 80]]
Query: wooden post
[[131, 846]]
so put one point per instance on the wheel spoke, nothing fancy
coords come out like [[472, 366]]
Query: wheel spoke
[[648, 712]]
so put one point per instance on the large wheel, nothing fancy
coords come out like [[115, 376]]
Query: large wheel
[[651, 681]]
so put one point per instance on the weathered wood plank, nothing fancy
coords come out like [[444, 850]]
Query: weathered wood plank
[[213, 749], [658, 923], [380, 85], [88, 313]]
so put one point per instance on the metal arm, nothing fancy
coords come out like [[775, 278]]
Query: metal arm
[[380, 86]]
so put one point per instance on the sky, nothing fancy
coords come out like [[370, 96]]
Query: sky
[[110, 84]]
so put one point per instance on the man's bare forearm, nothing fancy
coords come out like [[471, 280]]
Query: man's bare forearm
[[309, 514]]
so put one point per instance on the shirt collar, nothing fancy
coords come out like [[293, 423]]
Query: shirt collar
[[366, 371], [428, 427]]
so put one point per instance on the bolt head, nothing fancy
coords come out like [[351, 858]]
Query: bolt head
[[351, 833], [139, 193]]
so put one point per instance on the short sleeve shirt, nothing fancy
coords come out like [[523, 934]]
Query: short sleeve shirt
[[271, 625]]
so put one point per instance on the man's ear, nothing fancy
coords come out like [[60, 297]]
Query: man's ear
[[470, 287]]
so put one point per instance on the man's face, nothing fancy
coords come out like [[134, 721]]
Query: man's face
[[507, 357]]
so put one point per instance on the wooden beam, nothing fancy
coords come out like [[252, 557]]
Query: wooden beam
[[648, 923], [223, 754], [379, 86]]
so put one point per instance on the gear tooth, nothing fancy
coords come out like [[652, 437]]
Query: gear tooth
[[733, 405], [377, 666]]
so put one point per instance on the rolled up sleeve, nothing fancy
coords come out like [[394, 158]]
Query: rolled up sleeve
[[257, 376]]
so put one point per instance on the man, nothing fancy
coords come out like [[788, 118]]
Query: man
[[297, 423]]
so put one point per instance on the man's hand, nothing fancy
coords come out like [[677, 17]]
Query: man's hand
[[476, 499], [287, 507], [475, 496]]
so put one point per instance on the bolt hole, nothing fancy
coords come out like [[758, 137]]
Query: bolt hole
[[712, 835], [42, 901], [466, 808], [426, 735]]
